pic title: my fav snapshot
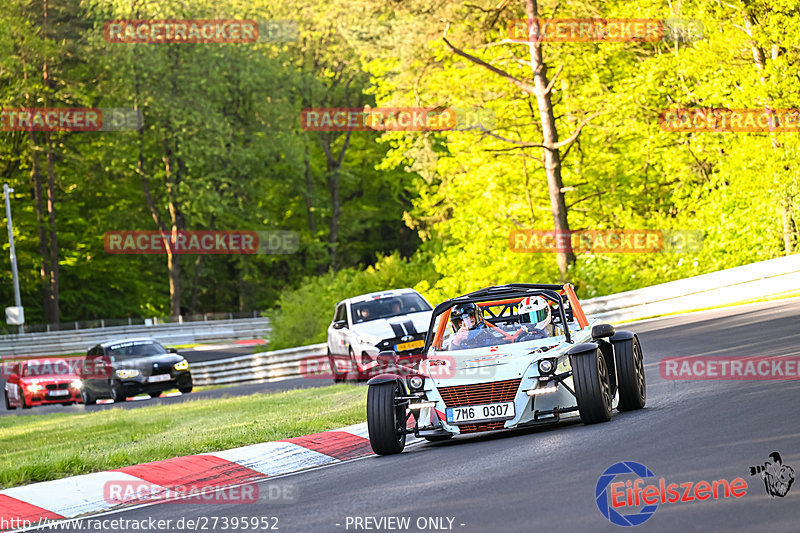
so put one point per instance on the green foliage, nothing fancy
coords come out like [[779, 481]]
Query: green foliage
[[36, 447], [303, 314]]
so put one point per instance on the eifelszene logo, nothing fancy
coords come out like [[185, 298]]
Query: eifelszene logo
[[630, 492]]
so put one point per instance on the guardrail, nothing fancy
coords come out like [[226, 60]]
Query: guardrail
[[60, 342], [265, 366], [766, 278]]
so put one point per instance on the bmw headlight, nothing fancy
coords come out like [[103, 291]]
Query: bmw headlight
[[35, 387], [181, 365], [76, 384], [127, 373]]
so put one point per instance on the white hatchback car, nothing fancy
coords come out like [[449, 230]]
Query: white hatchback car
[[395, 320]]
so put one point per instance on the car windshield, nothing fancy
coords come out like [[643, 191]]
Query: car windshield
[[501, 325], [389, 306], [131, 350]]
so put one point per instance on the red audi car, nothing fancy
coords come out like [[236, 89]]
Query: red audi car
[[41, 381]]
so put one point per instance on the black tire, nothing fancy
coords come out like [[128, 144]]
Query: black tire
[[337, 377], [630, 375], [87, 397], [154, 394], [385, 419], [9, 407], [592, 386], [117, 394], [22, 400], [185, 390], [438, 438]]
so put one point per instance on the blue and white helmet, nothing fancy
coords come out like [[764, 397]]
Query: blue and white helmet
[[535, 310]]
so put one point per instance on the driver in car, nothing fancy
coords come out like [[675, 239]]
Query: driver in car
[[536, 318], [471, 329]]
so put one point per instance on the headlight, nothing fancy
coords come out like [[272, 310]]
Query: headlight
[[415, 383], [545, 366], [76, 384], [182, 365], [126, 373], [35, 388]]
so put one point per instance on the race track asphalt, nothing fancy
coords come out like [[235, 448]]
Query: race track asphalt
[[544, 479], [193, 356]]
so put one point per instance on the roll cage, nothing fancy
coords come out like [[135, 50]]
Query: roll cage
[[509, 296]]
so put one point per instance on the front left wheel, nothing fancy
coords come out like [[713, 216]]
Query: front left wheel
[[386, 418], [592, 386], [117, 394]]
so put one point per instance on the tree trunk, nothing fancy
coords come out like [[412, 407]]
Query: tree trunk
[[45, 269], [332, 177], [53, 234], [552, 157]]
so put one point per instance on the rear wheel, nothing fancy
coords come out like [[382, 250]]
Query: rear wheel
[[87, 397], [386, 418], [592, 386], [117, 394], [185, 390], [630, 370], [9, 407]]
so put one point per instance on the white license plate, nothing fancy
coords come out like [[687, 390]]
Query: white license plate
[[473, 413], [159, 378], [58, 393]]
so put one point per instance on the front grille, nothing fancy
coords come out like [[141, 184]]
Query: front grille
[[483, 426], [492, 392], [160, 368], [53, 386]]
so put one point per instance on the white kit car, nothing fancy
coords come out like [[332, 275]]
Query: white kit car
[[506, 374]]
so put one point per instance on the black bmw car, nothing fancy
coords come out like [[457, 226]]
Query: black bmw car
[[123, 368]]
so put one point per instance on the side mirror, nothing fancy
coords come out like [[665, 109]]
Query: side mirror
[[387, 356], [602, 330], [339, 324], [13, 378], [172, 350]]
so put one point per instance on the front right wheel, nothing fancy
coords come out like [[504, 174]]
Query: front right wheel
[[386, 418], [592, 386], [9, 407]]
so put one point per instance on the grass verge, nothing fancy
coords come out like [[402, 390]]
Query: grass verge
[[44, 447]]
